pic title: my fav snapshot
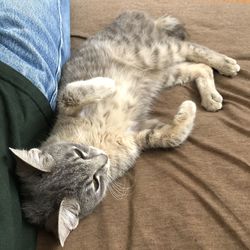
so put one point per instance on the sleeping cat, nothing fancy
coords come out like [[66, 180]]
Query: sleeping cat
[[103, 121]]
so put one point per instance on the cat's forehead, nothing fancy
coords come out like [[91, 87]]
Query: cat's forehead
[[62, 150], [66, 147]]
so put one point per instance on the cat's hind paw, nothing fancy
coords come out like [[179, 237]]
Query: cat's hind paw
[[229, 67], [212, 101], [183, 123], [186, 113]]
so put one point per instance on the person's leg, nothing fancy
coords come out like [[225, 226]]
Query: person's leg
[[35, 40]]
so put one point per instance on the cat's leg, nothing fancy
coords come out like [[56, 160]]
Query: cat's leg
[[78, 94], [151, 124], [171, 26], [169, 135], [202, 74], [199, 54]]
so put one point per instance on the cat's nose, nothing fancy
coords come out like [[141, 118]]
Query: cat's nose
[[104, 160]]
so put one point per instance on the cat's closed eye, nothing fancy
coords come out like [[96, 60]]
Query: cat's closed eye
[[80, 153], [96, 183]]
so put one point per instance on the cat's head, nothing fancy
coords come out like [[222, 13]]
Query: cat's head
[[61, 183]]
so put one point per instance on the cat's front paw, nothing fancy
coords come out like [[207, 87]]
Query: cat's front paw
[[103, 85], [229, 67], [212, 101]]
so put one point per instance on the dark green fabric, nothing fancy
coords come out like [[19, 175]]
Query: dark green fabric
[[25, 119]]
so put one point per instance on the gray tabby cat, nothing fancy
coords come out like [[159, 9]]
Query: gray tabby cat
[[103, 124]]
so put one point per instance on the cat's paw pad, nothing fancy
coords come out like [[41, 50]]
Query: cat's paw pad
[[229, 67], [212, 101]]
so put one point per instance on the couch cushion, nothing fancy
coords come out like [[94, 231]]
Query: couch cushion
[[197, 195]]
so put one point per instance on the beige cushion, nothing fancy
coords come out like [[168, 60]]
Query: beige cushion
[[196, 196]]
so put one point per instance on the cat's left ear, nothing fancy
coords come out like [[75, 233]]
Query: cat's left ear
[[34, 158], [62, 222], [68, 218]]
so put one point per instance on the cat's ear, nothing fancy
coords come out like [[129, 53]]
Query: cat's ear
[[68, 218], [34, 158]]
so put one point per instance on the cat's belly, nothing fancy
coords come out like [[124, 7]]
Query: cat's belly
[[120, 148], [110, 137]]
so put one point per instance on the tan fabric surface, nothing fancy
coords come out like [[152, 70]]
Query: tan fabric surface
[[196, 196]]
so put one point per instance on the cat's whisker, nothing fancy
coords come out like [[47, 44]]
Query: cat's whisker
[[118, 190], [120, 187], [113, 193], [117, 195]]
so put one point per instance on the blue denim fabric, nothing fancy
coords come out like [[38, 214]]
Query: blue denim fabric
[[35, 40]]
